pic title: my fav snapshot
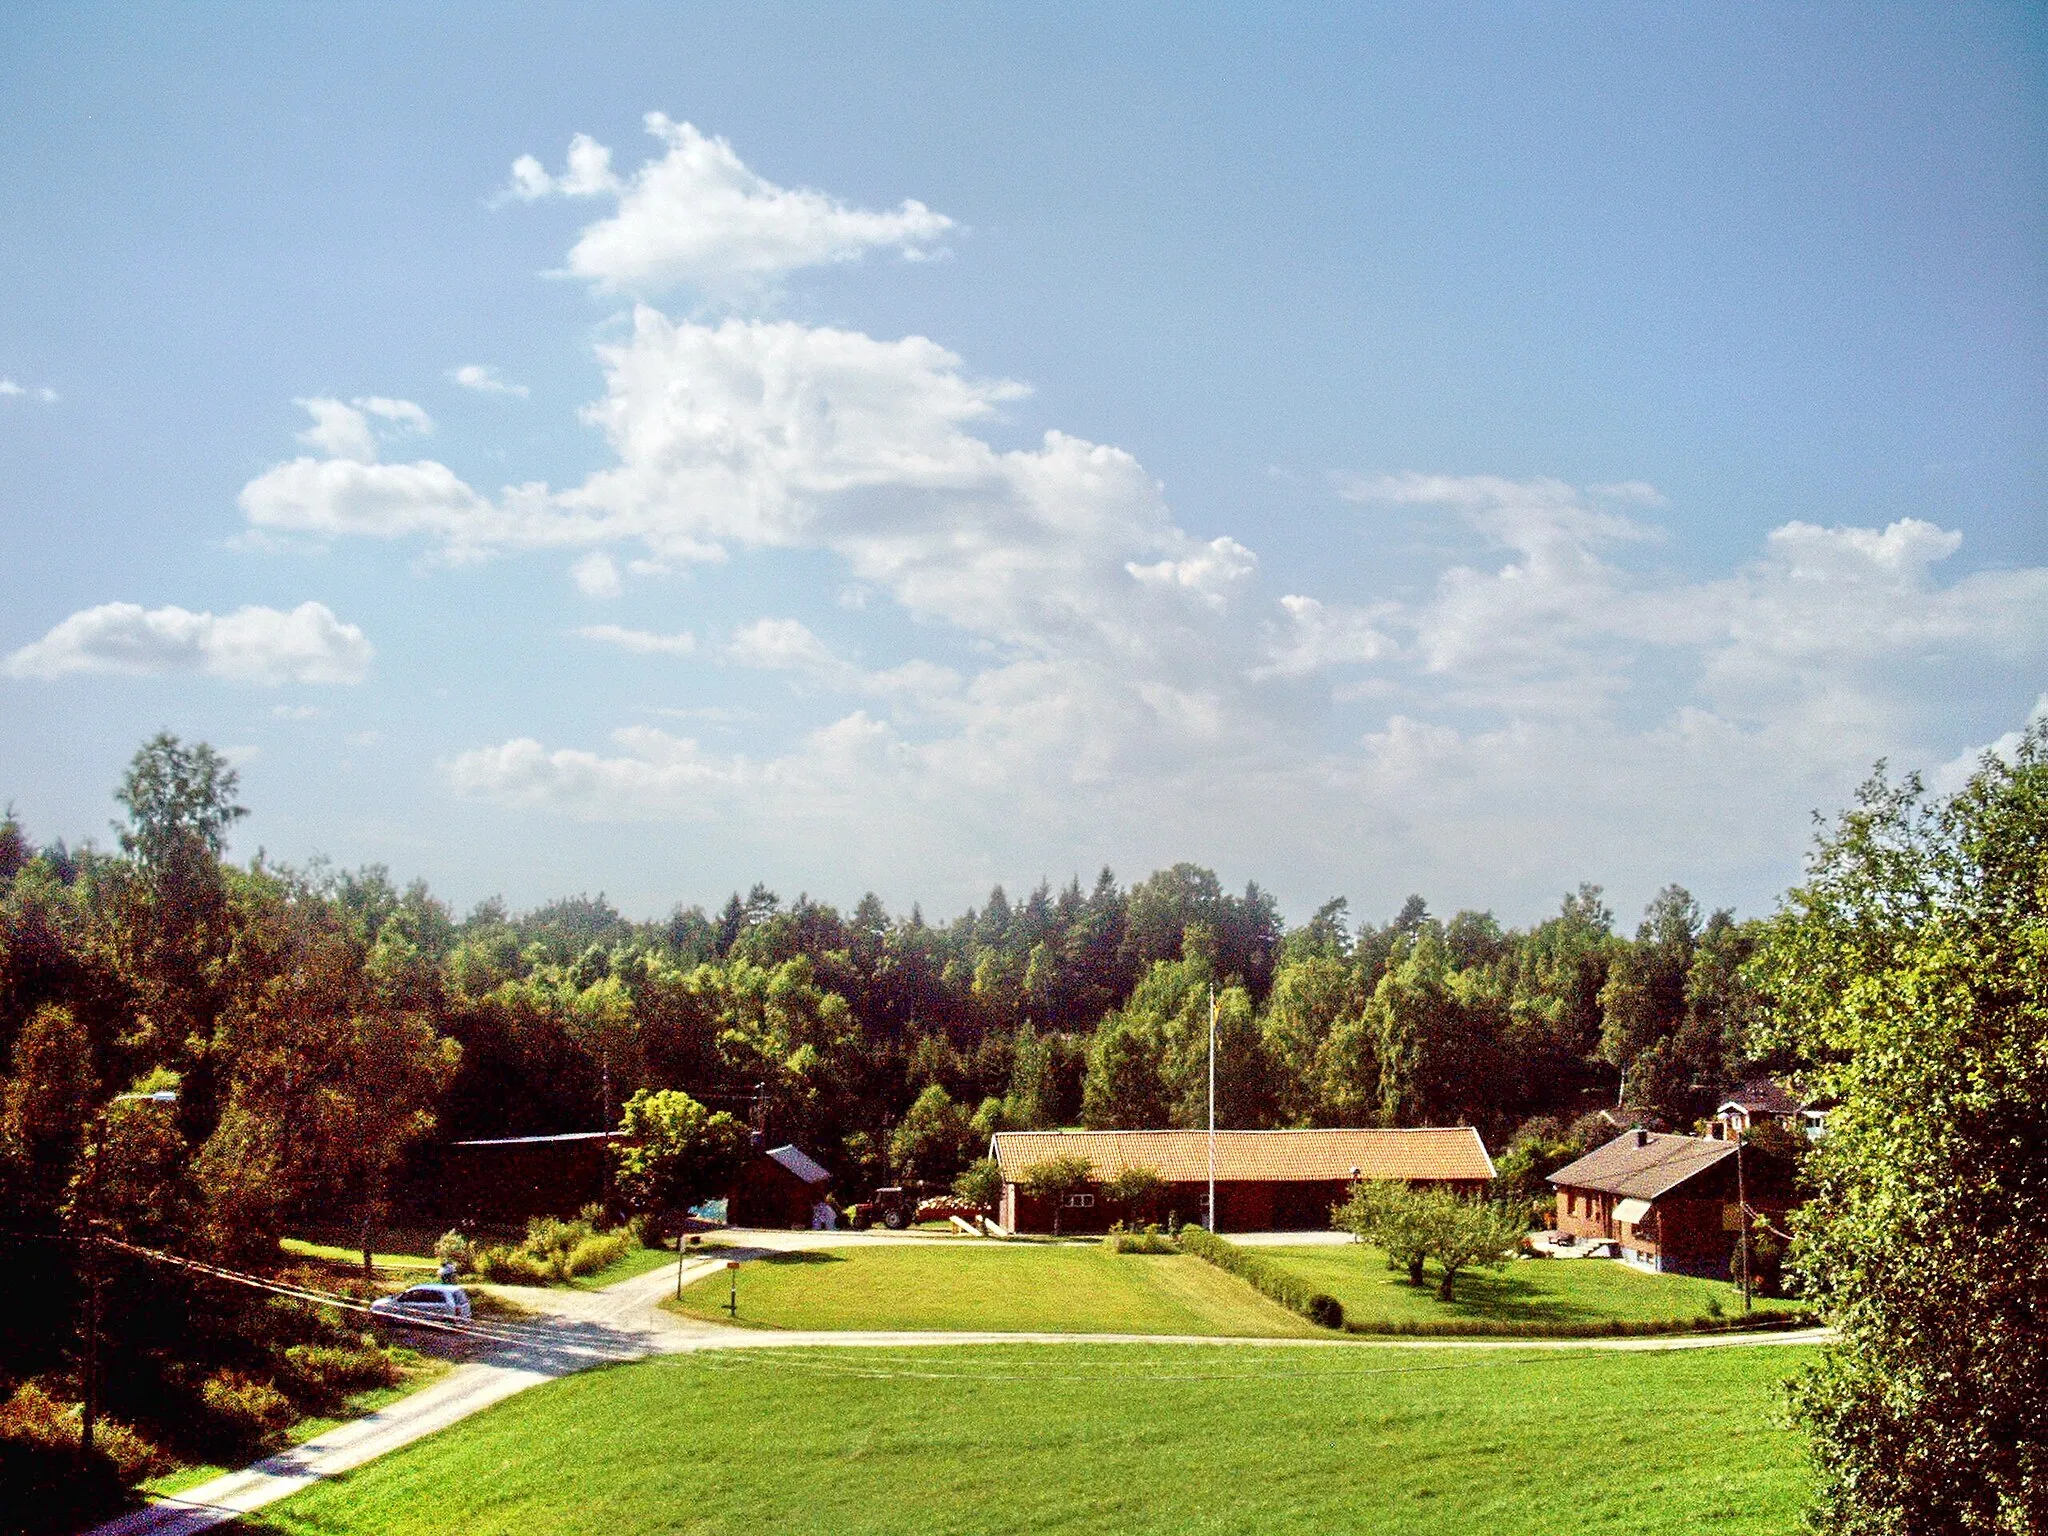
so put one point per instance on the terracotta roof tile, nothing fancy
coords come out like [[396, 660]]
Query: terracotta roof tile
[[1659, 1165], [1436, 1152]]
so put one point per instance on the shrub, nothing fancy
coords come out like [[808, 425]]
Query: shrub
[[453, 1248], [49, 1488], [513, 1266], [1150, 1239], [595, 1217], [1290, 1290], [598, 1251], [329, 1373], [248, 1414]]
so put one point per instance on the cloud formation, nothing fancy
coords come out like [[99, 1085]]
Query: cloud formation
[[641, 642], [1086, 674], [266, 647], [42, 394], [485, 380], [698, 216]]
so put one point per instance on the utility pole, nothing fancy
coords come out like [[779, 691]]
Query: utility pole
[[1742, 1216], [1212, 1106], [89, 1250]]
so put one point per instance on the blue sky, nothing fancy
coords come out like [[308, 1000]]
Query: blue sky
[[1467, 450]]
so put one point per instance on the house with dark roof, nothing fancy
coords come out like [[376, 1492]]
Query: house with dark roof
[[1668, 1203], [1765, 1100], [1265, 1180], [779, 1187]]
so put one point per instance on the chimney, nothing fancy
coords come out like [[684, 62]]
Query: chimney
[[1642, 1137]]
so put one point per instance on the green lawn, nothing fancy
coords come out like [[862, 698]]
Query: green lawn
[[1529, 1291], [1012, 1288], [1132, 1439], [638, 1261], [337, 1253]]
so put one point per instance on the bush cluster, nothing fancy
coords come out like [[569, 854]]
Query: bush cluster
[[1291, 1291], [1146, 1239], [44, 1473], [554, 1250], [250, 1414], [328, 1374]]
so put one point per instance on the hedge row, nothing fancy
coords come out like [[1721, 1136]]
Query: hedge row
[[1482, 1327], [1291, 1291]]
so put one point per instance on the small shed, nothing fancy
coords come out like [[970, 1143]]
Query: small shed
[[780, 1187], [1265, 1180]]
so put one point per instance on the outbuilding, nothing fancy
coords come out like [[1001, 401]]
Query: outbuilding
[[1265, 1180], [780, 1187]]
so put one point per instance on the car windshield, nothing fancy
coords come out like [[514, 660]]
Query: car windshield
[[422, 1294]]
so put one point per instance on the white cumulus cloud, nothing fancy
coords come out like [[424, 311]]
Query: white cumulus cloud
[[42, 394], [485, 380], [264, 646], [699, 216]]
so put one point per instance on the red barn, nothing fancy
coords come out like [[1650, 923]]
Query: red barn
[[1265, 1180]]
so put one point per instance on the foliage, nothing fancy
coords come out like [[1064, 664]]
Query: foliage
[[1136, 1190], [1910, 974], [48, 1488], [325, 1027], [1269, 1279], [933, 1139], [1413, 1225], [676, 1153], [1147, 1239], [980, 1182]]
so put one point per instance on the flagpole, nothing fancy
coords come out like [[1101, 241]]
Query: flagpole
[[1212, 1107]]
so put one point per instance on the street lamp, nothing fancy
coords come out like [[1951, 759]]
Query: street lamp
[[91, 1252]]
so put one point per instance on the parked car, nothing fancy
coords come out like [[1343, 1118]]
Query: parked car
[[440, 1303]]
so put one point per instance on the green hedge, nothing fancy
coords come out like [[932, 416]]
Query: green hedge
[[1290, 1290], [1482, 1327]]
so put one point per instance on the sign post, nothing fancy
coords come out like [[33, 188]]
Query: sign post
[[732, 1305]]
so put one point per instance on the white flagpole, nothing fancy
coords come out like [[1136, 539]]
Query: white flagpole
[[1212, 1108]]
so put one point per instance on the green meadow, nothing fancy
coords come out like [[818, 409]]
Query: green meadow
[[993, 1287], [1457, 1441], [1529, 1292]]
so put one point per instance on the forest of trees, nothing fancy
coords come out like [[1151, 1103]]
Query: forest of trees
[[199, 1054], [322, 1025]]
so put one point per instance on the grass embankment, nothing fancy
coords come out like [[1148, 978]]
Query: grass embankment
[[1534, 1294], [1007, 1288], [1125, 1438]]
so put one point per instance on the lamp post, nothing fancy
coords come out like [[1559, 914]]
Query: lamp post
[[1212, 1106], [91, 1251]]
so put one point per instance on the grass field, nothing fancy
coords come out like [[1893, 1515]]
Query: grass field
[[1528, 1291], [995, 1287], [638, 1261], [1138, 1439]]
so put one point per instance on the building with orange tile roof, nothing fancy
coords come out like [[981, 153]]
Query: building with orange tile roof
[[1265, 1180]]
